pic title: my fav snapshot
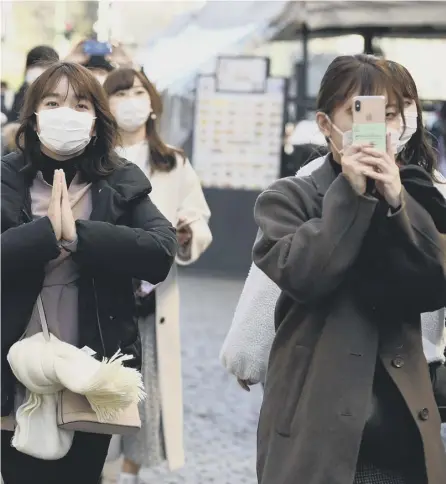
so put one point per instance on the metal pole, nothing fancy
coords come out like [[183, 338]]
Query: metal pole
[[368, 41], [302, 77]]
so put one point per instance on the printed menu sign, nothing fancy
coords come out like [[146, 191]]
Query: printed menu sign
[[238, 137]]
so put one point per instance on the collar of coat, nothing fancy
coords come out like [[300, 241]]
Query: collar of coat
[[321, 172], [126, 184]]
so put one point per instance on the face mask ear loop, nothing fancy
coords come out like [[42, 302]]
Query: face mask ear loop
[[340, 152]]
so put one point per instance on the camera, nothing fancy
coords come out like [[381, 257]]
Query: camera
[[95, 48], [357, 106]]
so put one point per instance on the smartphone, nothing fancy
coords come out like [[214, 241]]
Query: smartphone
[[95, 48], [369, 121]]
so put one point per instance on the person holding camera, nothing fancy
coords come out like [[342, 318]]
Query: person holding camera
[[100, 58]]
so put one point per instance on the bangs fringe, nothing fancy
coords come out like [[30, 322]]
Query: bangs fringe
[[369, 81], [360, 74], [76, 79], [119, 80]]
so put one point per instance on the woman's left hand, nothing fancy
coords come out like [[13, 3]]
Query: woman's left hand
[[184, 233], [68, 225], [382, 168]]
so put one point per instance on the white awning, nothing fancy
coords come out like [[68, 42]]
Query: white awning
[[220, 27], [377, 13]]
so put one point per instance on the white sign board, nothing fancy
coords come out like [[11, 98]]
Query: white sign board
[[238, 137]]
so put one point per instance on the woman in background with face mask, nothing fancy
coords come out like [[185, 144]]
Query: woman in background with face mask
[[413, 147], [177, 193], [77, 226]]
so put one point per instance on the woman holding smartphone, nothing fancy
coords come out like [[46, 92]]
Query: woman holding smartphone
[[77, 226], [348, 395], [177, 193]]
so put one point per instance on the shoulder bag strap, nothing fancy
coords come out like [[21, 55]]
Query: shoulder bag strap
[[42, 317]]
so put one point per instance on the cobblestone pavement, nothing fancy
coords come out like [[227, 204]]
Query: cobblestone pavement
[[220, 418]]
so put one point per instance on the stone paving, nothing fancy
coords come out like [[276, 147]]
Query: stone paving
[[220, 418]]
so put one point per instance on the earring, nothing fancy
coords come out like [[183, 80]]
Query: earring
[[95, 138], [152, 115]]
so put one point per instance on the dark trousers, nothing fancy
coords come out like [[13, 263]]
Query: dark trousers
[[82, 465]]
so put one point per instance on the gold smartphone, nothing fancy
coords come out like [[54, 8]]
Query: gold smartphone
[[369, 121]]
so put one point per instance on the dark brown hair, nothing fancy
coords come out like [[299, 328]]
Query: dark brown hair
[[100, 159], [418, 150], [162, 157], [349, 74]]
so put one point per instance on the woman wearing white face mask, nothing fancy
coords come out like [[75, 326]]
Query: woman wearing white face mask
[[355, 270], [178, 194], [415, 149], [77, 226]]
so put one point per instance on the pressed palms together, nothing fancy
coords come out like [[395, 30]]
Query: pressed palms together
[[59, 210]]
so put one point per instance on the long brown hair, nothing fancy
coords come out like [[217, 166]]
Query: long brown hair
[[418, 150], [162, 157], [100, 159]]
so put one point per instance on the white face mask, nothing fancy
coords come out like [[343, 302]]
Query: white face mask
[[132, 113], [33, 73], [64, 130], [347, 138], [409, 130]]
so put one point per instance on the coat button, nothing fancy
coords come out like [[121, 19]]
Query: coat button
[[162, 320], [424, 414], [398, 362]]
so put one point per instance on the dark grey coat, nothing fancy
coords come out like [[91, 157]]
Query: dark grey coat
[[331, 324]]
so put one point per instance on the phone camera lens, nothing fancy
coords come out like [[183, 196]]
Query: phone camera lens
[[357, 106]]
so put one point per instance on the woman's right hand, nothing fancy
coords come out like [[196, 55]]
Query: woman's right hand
[[54, 208], [353, 170]]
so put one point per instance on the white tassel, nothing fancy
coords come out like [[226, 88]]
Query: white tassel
[[114, 387]]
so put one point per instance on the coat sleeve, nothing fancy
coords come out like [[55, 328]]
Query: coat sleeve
[[145, 249], [193, 207], [246, 349], [27, 246], [307, 257], [416, 257]]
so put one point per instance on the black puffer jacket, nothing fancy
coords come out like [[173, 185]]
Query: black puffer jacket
[[126, 237]]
